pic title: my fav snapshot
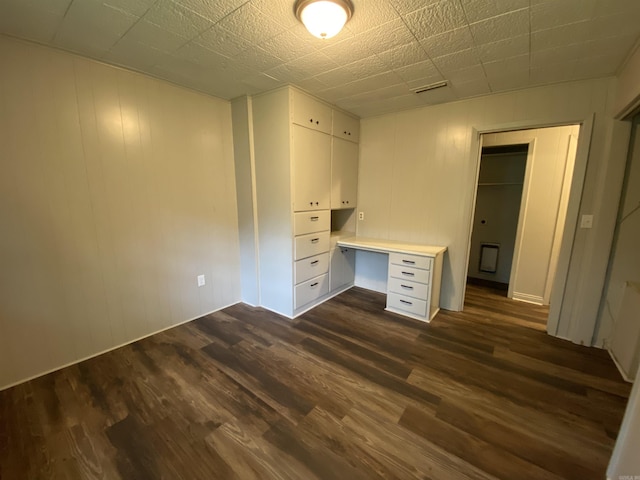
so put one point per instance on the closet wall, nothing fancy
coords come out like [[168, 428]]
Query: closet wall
[[117, 190]]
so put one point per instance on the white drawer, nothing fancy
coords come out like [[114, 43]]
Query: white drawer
[[416, 261], [311, 244], [409, 273], [309, 222], [311, 267], [311, 290], [416, 290], [407, 304]]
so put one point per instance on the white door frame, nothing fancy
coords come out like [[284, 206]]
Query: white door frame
[[573, 207]]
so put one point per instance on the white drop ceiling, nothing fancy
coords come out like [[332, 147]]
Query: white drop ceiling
[[229, 48]]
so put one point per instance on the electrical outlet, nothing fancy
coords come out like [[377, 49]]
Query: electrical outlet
[[201, 281], [586, 221], [360, 215]]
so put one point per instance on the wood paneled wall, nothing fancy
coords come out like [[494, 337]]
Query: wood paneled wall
[[418, 169], [116, 191]]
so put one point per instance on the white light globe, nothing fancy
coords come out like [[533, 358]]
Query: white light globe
[[324, 19]]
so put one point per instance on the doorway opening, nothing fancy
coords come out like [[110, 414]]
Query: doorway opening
[[522, 193]]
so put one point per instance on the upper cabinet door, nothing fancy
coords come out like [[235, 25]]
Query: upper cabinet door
[[344, 174], [311, 113], [345, 127], [311, 169]]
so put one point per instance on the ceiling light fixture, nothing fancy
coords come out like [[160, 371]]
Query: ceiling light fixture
[[323, 18]]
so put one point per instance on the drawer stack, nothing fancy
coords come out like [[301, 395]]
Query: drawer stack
[[409, 285], [311, 255]]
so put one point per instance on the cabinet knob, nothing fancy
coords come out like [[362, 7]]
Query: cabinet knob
[[345, 132], [349, 133], [311, 203], [347, 202], [317, 122], [317, 203], [311, 120]]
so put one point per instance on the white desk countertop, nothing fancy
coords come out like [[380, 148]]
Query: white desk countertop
[[386, 246]]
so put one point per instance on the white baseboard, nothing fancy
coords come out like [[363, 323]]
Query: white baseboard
[[525, 297]]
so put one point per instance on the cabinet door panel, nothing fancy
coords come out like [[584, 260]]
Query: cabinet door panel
[[311, 169], [311, 113], [343, 267], [344, 174], [345, 127]]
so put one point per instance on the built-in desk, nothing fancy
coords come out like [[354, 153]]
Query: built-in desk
[[415, 272]]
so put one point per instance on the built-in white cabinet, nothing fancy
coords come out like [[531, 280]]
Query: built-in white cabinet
[[294, 145], [344, 174], [310, 113], [343, 267], [311, 169], [345, 126]]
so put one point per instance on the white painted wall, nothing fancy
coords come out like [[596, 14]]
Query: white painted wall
[[116, 191], [536, 248], [418, 169]]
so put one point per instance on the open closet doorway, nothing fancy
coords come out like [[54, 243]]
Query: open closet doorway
[[524, 180]]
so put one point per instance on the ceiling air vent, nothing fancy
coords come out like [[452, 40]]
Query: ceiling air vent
[[427, 88]]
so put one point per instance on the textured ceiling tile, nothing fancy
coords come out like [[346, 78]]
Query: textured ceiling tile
[[92, 25], [376, 82], [422, 69], [152, 35], [349, 50], [510, 81], [177, 19], [611, 25], [380, 94], [509, 25], [457, 61], [135, 55], [435, 19], [562, 54], [612, 46], [607, 7], [511, 47], [256, 57], [287, 46], [549, 15], [471, 89], [366, 67], [288, 72], [56, 7], [448, 42], [386, 37], [507, 66], [370, 14], [465, 75], [251, 24], [312, 85], [222, 41], [598, 66], [280, 10], [477, 10], [261, 82], [134, 7], [403, 55], [212, 10], [337, 76], [33, 24], [558, 36], [200, 55], [552, 74], [404, 7]]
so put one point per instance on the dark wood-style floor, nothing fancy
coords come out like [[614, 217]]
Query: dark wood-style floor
[[347, 391]]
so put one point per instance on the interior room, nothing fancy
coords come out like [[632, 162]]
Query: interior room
[[238, 242]]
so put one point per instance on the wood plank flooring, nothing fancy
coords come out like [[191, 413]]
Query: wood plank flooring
[[347, 391]]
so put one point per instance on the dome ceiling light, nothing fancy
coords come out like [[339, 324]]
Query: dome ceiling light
[[323, 18]]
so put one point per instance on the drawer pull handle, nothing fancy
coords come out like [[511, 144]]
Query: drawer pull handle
[[406, 302], [411, 274], [315, 240], [315, 219], [408, 287], [315, 262], [410, 262], [314, 285]]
